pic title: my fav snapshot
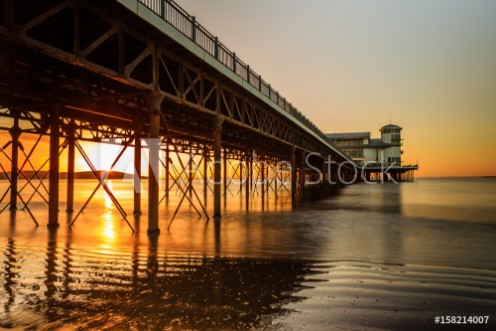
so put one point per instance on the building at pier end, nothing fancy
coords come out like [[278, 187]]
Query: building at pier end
[[375, 155]]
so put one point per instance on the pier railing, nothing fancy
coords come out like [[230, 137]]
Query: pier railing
[[172, 13]]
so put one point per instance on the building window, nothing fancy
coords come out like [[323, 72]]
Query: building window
[[354, 153], [348, 142], [395, 160]]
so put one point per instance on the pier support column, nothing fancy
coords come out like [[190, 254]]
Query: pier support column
[[153, 165], [301, 178], [70, 167], [263, 184], [167, 170], [205, 176], [53, 206], [225, 178], [15, 133], [294, 183], [217, 167], [190, 172], [249, 172], [137, 175]]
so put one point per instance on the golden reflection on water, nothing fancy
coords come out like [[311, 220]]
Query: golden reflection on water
[[108, 201], [108, 232], [243, 271]]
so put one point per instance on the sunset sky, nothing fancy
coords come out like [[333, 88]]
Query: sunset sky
[[426, 65]]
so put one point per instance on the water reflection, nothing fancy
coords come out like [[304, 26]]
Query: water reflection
[[51, 277], [243, 271], [139, 289], [10, 274]]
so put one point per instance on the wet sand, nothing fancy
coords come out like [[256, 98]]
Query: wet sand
[[371, 258]]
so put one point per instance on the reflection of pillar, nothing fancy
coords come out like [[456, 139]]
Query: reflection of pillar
[[217, 239], [217, 167], [51, 267], [152, 264], [137, 174], [53, 208], [70, 168], [153, 173], [15, 133], [67, 262], [136, 255], [10, 272]]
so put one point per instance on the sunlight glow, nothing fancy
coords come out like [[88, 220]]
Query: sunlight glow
[[108, 201], [108, 232]]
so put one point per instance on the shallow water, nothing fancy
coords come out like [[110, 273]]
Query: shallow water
[[372, 257]]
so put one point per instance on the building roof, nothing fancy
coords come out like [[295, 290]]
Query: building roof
[[348, 135], [377, 143], [390, 126]]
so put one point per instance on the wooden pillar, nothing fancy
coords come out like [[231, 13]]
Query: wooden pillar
[[15, 133], [217, 167], [53, 205], [71, 156], [153, 168], [137, 175]]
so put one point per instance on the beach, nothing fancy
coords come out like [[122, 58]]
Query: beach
[[372, 257]]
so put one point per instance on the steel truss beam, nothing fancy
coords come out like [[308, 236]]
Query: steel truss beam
[[129, 48]]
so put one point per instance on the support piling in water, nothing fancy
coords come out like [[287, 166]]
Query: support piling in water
[[71, 155], [15, 133], [137, 174], [53, 209], [153, 159], [217, 168]]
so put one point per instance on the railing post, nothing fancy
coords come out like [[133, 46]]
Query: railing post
[[216, 48], [164, 9], [234, 62], [260, 83], [248, 73], [193, 29], [161, 9], [270, 92]]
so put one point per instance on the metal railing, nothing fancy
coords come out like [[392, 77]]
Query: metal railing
[[173, 14]]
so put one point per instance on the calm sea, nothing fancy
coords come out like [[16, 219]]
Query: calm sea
[[371, 257]]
